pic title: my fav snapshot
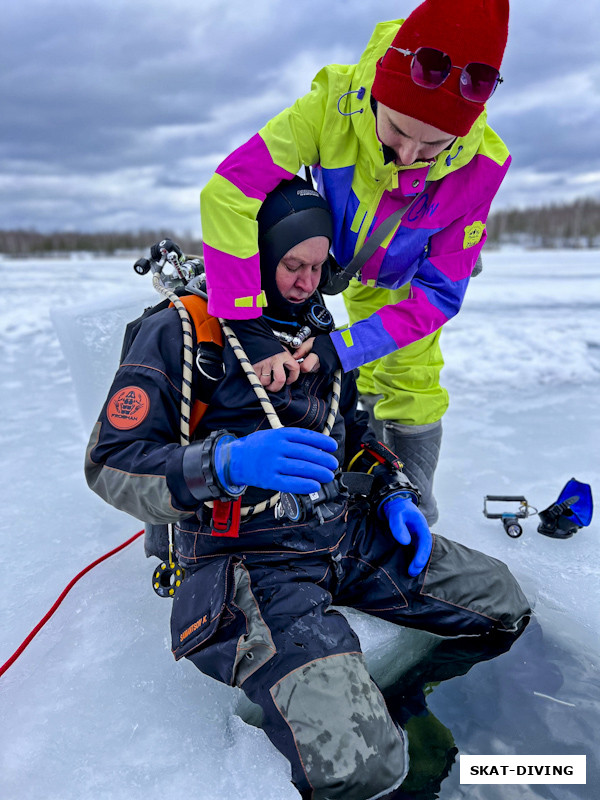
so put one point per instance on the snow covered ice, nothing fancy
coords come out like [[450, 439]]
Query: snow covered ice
[[97, 709]]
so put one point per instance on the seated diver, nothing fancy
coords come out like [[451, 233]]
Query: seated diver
[[254, 609]]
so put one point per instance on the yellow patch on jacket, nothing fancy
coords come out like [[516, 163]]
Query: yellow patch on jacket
[[473, 234]]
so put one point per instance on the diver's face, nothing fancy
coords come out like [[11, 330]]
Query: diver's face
[[299, 271], [409, 138]]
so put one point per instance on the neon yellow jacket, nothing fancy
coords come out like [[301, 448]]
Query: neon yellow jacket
[[435, 246]]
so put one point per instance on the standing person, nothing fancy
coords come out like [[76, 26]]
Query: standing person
[[254, 609], [405, 128]]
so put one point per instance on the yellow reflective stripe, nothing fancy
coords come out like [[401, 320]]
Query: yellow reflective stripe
[[251, 302], [372, 282], [347, 337], [358, 217]]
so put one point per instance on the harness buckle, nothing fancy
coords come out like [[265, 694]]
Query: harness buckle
[[225, 519]]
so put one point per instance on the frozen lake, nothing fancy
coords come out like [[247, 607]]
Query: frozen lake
[[97, 709]]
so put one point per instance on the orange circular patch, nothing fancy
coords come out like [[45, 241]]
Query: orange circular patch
[[128, 408]]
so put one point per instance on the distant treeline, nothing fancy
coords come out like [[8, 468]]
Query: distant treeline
[[24, 242], [575, 224]]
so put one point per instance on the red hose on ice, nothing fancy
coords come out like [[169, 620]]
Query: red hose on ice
[[62, 596]]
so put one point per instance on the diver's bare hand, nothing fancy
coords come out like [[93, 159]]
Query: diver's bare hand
[[309, 362], [277, 370]]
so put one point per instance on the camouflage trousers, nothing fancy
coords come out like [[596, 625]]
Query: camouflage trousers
[[263, 621]]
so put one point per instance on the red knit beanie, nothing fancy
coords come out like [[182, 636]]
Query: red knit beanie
[[468, 31]]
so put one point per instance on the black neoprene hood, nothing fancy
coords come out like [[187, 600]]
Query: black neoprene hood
[[291, 213]]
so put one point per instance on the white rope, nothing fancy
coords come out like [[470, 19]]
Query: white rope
[[271, 414], [185, 409], [263, 397]]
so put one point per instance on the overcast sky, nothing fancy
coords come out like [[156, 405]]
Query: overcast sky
[[114, 114]]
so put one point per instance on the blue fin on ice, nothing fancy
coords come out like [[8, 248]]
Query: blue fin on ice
[[572, 510], [583, 507]]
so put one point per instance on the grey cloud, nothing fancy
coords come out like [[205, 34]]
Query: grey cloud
[[120, 111]]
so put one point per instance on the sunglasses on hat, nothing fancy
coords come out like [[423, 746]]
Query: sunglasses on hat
[[430, 67]]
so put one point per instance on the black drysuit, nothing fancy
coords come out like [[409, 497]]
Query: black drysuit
[[255, 611]]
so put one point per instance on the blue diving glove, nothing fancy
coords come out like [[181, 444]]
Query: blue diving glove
[[295, 460], [407, 525]]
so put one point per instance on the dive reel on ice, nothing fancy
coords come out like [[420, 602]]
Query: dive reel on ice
[[571, 511]]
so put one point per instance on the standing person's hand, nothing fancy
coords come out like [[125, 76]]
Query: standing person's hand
[[318, 354]]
